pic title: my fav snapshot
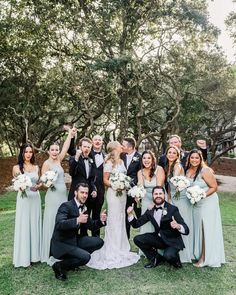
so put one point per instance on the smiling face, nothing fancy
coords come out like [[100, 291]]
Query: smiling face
[[172, 154], [54, 151], [97, 142], [158, 196], [195, 160], [147, 160], [28, 154]]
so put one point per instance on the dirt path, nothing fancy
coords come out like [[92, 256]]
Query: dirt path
[[226, 183]]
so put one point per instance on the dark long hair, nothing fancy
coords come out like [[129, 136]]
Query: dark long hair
[[202, 163], [153, 166], [21, 160], [171, 167]]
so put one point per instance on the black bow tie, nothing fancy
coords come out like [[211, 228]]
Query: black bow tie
[[97, 153], [81, 207], [85, 158], [158, 208]]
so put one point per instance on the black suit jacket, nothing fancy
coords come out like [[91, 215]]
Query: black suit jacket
[[77, 172], [99, 178], [65, 234], [172, 237], [134, 167]]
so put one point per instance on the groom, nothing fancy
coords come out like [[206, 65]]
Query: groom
[[68, 242], [168, 224]]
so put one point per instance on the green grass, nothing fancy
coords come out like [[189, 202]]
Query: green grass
[[39, 279]]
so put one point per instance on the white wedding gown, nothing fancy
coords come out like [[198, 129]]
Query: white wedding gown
[[115, 252]]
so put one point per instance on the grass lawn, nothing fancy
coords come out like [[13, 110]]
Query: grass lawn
[[39, 279]]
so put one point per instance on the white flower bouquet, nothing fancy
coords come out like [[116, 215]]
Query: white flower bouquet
[[138, 192], [20, 183], [195, 194], [180, 183], [119, 182], [48, 179]]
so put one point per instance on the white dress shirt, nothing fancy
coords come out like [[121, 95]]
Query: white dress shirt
[[129, 158]]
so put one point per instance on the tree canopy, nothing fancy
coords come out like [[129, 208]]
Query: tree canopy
[[120, 67]]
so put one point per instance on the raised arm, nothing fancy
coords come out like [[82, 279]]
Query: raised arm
[[66, 145]]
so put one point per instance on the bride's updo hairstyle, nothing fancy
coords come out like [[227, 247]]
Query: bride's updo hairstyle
[[112, 155]]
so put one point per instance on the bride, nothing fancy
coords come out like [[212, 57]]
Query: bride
[[116, 250]]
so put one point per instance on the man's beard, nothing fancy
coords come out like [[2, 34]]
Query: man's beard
[[158, 201]]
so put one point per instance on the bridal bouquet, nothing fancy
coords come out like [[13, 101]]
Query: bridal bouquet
[[48, 178], [119, 182], [195, 194], [138, 192], [180, 183], [20, 183]]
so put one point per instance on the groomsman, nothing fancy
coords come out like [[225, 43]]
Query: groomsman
[[131, 158], [176, 141], [98, 157], [168, 225], [68, 242]]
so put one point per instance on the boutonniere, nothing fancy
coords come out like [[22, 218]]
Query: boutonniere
[[135, 159], [90, 161], [164, 211]]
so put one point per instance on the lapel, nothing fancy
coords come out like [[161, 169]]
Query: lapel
[[75, 207]]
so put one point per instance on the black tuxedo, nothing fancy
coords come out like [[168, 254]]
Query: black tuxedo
[[68, 242], [95, 204], [132, 171], [77, 172], [164, 237]]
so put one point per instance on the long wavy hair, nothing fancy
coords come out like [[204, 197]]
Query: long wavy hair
[[153, 166], [169, 167], [112, 156], [201, 164], [21, 158]]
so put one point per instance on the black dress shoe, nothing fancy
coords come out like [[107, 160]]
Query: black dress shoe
[[152, 263], [177, 263], [59, 274]]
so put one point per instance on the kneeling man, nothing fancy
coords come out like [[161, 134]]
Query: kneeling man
[[68, 242], [168, 224]]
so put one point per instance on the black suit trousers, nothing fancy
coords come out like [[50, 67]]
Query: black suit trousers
[[149, 243], [80, 255]]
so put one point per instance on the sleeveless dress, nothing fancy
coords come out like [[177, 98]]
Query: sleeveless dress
[[28, 226], [53, 200], [206, 214], [115, 252], [186, 211], [146, 202]]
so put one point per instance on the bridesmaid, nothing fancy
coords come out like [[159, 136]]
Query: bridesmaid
[[28, 221], [149, 176], [54, 198], [208, 237], [174, 168]]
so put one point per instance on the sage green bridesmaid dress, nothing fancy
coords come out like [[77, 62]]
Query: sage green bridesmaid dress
[[206, 215], [28, 226], [53, 200]]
